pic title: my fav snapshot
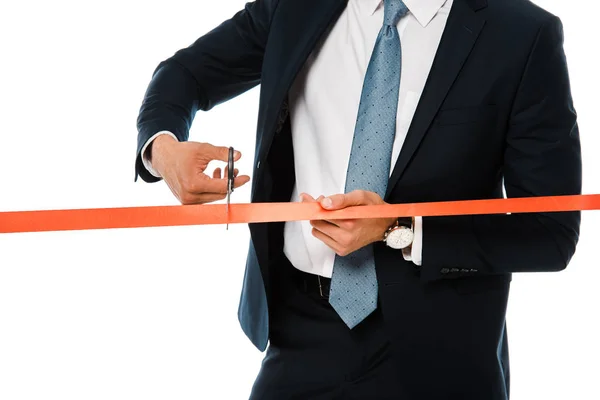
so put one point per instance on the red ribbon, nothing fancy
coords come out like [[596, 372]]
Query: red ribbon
[[209, 214]]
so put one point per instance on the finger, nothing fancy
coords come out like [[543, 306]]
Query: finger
[[306, 198], [345, 224], [354, 198], [217, 173], [329, 242], [327, 228], [218, 152], [240, 181], [207, 185], [204, 184]]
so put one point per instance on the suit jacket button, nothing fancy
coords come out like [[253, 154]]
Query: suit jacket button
[[445, 270]]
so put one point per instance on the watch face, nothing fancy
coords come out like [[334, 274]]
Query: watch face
[[400, 238]]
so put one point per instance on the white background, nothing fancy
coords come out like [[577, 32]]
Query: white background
[[152, 313]]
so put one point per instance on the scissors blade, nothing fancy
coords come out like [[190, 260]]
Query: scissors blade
[[227, 212], [230, 178]]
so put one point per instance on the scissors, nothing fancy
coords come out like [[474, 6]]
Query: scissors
[[230, 177]]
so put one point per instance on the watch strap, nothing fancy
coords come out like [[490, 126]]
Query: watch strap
[[405, 221]]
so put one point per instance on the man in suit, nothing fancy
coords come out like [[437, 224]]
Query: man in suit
[[371, 102]]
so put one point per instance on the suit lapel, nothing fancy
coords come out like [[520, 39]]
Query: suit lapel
[[305, 23], [459, 37]]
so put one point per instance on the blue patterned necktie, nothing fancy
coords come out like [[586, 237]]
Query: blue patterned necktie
[[354, 289]]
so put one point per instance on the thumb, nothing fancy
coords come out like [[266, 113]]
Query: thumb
[[220, 153], [339, 201]]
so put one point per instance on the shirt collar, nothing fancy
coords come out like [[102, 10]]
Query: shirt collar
[[423, 10]]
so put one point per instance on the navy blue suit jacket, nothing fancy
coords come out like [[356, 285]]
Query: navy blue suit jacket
[[496, 110]]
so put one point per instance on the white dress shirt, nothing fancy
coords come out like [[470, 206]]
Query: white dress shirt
[[324, 102]]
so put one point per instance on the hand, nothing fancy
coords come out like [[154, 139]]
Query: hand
[[182, 166], [345, 236]]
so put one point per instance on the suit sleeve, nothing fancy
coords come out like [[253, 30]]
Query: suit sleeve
[[542, 158], [218, 66]]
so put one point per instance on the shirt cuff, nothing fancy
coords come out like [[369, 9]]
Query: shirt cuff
[[145, 160], [414, 253]]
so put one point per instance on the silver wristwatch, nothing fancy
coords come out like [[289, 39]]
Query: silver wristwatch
[[400, 235]]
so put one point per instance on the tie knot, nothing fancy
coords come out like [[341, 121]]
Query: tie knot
[[393, 10]]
